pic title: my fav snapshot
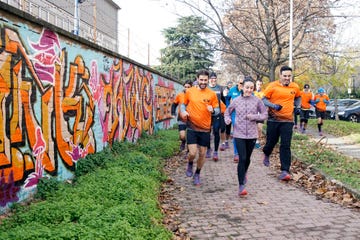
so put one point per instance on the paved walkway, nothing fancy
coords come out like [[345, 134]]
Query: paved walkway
[[272, 209], [341, 144]]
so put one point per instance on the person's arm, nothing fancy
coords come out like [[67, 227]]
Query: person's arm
[[297, 105], [227, 114], [269, 104], [297, 102], [173, 109]]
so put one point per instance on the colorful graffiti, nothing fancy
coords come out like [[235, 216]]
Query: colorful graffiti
[[59, 105]]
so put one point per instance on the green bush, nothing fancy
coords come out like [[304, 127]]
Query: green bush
[[46, 187], [115, 197]]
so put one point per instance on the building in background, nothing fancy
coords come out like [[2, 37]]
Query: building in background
[[98, 18]]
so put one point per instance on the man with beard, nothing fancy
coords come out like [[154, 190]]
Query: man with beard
[[198, 106], [281, 96]]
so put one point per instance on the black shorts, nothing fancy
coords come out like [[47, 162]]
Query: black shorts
[[196, 137], [260, 121], [305, 114], [182, 127], [320, 114]]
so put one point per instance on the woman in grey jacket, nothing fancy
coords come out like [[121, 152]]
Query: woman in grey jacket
[[248, 109]]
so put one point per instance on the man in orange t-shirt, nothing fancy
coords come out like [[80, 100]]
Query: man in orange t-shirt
[[179, 99], [280, 97], [321, 100], [306, 98], [199, 104]]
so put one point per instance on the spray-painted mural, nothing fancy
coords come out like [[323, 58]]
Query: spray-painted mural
[[61, 100]]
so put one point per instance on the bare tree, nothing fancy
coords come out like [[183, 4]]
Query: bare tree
[[253, 35]]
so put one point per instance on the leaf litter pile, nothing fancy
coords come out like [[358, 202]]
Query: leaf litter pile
[[304, 176]]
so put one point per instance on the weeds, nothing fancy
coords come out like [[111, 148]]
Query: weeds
[[114, 196]]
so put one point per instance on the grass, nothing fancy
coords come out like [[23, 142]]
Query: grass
[[339, 128], [330, 162], [114, 195]]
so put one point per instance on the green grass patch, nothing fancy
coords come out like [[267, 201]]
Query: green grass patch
[[333, 164], [114, 196], [337, 128]]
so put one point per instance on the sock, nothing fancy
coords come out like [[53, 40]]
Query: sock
[[319, 127], [197, 170]]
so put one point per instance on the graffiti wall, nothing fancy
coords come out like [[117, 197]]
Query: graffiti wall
[[61, 99]]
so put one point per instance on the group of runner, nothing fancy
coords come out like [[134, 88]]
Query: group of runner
[[205, 107]]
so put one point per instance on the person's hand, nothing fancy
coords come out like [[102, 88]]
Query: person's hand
[[251, 117], [326, 101], [210, 108], [277, 107], [297, 111], [227, 121], [225, 92]]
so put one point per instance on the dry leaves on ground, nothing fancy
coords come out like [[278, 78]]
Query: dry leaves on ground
[[169, 206], [316, 183]]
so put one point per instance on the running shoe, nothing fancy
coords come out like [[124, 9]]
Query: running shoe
[[189, 170], [257, 145], [242, 190], [222, 147], [215, 156], [197, 179], [284, 176], [320, 133], [266, 161], [236, 158], [227, 145]]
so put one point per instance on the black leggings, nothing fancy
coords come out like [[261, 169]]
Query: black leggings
[[245, 148]]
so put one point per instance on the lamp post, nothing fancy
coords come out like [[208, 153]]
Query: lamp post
[[291, 34], [77, 17]]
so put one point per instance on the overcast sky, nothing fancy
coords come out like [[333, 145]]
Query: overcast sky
[[141, 23]]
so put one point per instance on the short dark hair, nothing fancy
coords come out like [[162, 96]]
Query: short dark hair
[[213, 75], [188, 82], [248, 79], [285, 68], [202, 72]]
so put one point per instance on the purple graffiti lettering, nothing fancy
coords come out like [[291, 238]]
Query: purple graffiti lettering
[[8, 190], [47, 51]]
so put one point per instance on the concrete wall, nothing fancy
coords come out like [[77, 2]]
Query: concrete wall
[[62, 98]]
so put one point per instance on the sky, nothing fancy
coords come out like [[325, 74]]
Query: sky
[[141, 22], [140, 26]]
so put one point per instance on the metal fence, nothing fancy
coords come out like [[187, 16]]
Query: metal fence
[[64, 20]]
